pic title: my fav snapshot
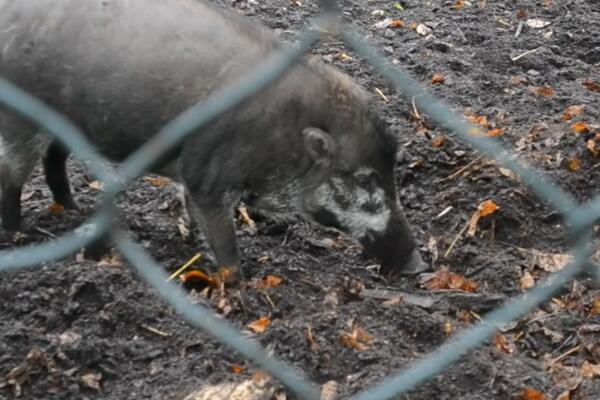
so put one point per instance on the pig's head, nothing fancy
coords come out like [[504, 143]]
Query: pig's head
[[356, 193]]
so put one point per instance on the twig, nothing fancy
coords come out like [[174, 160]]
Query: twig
[[565, 354], [519, 29], [513, 59], [45, 232], [184, 267], [447, 253], [383, 96], [415, 108], [463, 169]]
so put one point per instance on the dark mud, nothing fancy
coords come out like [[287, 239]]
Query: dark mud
[[80, 318]]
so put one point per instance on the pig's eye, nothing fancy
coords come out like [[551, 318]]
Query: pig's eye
[[366, 179]]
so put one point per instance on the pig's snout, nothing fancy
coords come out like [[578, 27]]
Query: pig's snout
[[396, 249]]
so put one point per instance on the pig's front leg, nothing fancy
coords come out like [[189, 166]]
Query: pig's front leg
[[216, 218]]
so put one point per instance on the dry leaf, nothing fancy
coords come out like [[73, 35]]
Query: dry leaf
[[157, 182], [437, 79], [260, 325], [589, 370], [444, 279], [487, 207], [508, 173], [478, 120], [530, 394], [543, 91], [329, 390], [527, 281], [236, 369], [423, 30], [495, 132], [574, 164], [465, 316], [389, 23], [269, 281], [596, 305], [437, 141], [396, 23], [537, 23], [97, 185], [591, 85], [92, 380], [550, 262], [572, 111], [458, 4], [503, 344], [358, 339], [591, 146], [56, 208], [246, 220], [311, 340], [448, 329], [580, 127], [190, 276], [521, 13]]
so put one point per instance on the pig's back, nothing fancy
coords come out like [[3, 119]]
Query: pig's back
[[124, 67]]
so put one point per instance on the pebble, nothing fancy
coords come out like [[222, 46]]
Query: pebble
[[378, 13], [533, 72], [389, 33]]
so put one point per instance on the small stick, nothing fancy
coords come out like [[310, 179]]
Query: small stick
[[565, 354], [447, 253], [184, 267], [523, 55], [383, 96], [463, 169], [415, 108], [156, 331], [519, 29]]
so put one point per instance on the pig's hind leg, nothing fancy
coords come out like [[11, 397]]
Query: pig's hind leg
[[55, 168], [19, 153]]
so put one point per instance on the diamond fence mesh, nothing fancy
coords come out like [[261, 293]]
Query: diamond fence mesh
[[578, 218]]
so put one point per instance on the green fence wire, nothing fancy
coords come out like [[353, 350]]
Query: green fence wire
[[578, 218]]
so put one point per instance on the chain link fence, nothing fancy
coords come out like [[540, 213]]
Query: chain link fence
[[577, 218]]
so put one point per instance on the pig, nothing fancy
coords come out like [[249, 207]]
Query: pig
[[311, 143]]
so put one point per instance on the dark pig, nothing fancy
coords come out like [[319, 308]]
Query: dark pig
[[121, 69]]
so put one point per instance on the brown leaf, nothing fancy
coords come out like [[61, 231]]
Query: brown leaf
[[437, 141], [269, 281], [530, 394], [521, 14], [358, 339], [444, 279], [574, 164], [591, 146], [589, 370], [55, 208], [487, 207], [458, 4], [527, 281], [543, 91], [503, 344], [448, 329], [157, 182], [591, 85], [396, 23], [580, 127], [236, 369], [246, 220], [572, 111], [596, 305], [495, 132], [260, 325], [437, 79], [190, 276]]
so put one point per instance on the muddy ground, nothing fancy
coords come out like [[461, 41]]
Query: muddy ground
[[94, 330]]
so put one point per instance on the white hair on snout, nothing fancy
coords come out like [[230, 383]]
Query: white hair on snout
[[354, 219]]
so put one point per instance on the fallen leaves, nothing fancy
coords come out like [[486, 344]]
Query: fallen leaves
[[444, 279], [56, 208], [389, 23], [157, 181], [537, 23], [591, 85], [358, 339], [574, 164], [246, 220], [573, 111], [437, 141], [267, 282], [543, 91], [260, 325], [437, 79], [484, 209], [503, 344], [530, 394], [458, 5]]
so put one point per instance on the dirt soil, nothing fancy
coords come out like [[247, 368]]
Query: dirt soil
[[79, 328]]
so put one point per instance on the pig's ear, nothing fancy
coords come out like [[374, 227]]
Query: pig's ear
[[319, 145]]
